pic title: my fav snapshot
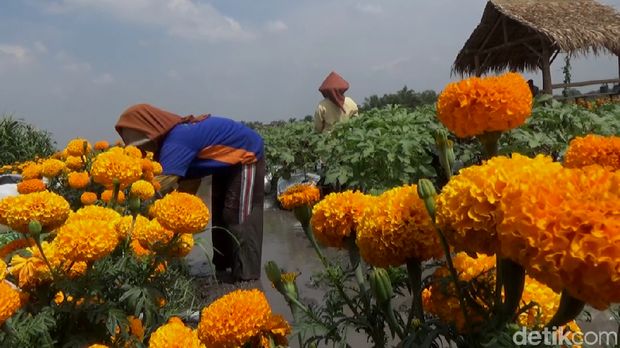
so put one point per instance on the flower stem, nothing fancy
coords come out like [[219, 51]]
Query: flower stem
[[414, 269]]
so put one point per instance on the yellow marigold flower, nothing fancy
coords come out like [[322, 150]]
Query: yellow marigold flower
[[181, 213], [544, 300], [74, 163], [469, 268], [98, 345], [336, 217], [49, 209], [3, 270], [10, 301], [150, 233], [52, 167], [95, 212], [30, 186], [5, 205], [32, 270], [111, 165], [565, 233], [78, 180], [88, 198], [157, 168], [142, 189], [234, 319], [124, 226], [183, 245], [468, 206], [397, 228], [86, 240], [593, 149], [78, 147], [147, 165], [299, 195], [102, 145], [32, 171], [106, 196], [478, 105], [175, 334], [133, 151]]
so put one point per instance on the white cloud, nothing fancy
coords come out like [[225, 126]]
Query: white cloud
[[14, 52], [276, 26], [40, 47], [182, 18], [103, 79], [369, 8]]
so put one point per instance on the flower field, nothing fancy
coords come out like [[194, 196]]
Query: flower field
[[459, 224]]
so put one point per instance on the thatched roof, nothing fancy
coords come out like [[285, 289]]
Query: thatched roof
[[574, 26]]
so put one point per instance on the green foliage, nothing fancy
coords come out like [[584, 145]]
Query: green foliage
[[381, 148], [290, 147], [405, 97], [20, 141]]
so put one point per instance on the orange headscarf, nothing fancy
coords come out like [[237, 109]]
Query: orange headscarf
[[155, 123], [333, 88]]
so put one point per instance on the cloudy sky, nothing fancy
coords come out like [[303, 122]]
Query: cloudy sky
[[72, 66]]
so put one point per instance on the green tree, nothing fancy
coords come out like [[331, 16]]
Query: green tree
[[20, 141], [405, 97]]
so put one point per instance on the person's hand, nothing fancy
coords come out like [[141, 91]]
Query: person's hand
[[167, 183]]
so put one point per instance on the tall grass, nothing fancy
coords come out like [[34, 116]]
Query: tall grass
[[21, 141]]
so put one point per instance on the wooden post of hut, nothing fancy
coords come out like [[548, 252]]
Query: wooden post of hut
[[546, 70]]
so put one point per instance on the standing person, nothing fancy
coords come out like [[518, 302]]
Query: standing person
[[335, 107], [190, 148]]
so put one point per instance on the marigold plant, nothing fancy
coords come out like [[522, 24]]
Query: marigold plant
[[150, 233], [10, 300], [78, 147], [52, 167], [32, 171], [593, 149], [78, 180], [299, 195], [337, 216], [111, 166], [86, 240], [142, 189], [397, 228], [477, 105]]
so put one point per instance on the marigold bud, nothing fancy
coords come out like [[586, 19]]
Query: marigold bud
[[34, 227], [381, 285]]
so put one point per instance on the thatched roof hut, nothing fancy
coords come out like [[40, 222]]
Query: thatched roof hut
[[525, 35]]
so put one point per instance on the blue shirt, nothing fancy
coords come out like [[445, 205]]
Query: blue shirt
[[206, 147]]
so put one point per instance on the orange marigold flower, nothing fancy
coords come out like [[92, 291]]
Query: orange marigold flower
[[181, 213], [98, 345], [48, 208], [86, 240], [175, 334], [397, 228], [95, 212], [88, 198], [150, 233], [102, 145], [565, 234], [299, 195], [32, 171], [277, 328], [78, 180], [478, 105], [593, 149], [10, 301], [234, 319], [139, 250], [112, 165], [106, 196], [543, 301], [337, 216], [74, 162], [142, 189], [183, 245], [78, 147], [30, 186], [468, 206], [147, 165]]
